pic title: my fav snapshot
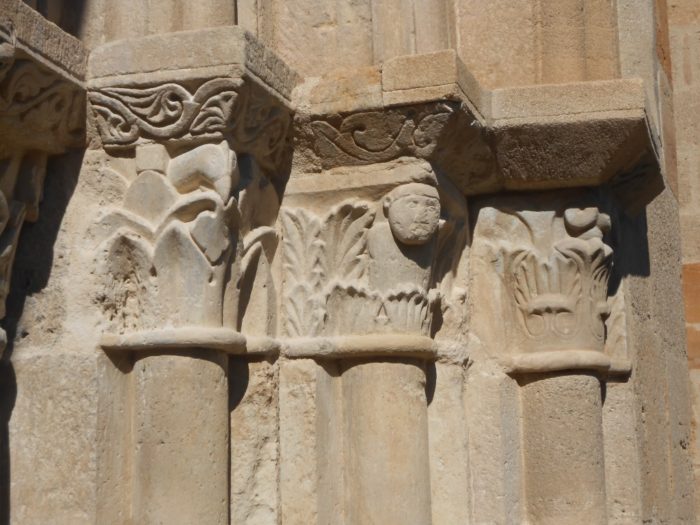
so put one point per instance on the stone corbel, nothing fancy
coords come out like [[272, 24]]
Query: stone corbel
[[41, 114]]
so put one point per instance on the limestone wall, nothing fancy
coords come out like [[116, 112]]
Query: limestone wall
[[397, 262]]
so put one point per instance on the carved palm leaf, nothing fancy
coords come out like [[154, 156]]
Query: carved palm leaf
[[303, 274], [346, 236]]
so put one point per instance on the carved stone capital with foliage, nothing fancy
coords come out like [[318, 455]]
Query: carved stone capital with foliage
[[190, 246], [381, 263], [41, 114], [544, 262]]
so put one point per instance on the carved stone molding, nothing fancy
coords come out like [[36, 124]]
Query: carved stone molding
[[247, 116], [38, 109], [485, 141], [443, 132]]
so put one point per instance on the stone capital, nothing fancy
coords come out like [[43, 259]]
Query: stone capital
[[541, 265], [370, 256], [41, 114]]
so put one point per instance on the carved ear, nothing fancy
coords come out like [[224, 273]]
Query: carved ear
[[386, 203]]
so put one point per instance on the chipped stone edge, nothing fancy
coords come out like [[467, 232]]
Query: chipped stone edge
[[43, 41], [239, 54]]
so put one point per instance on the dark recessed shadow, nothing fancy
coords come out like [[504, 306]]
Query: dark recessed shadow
[[238, 379], [30, 274], [66, 14], [430, 381], [8, 395]]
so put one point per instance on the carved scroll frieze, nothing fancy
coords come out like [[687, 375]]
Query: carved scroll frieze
[[39, 110], [246, 115], [443, 132], [380, 136], [163, 111]]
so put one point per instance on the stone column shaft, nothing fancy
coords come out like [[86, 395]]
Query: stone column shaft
[[181, 438], [555, 293], [562, 433], [386, 434], [194, 230]]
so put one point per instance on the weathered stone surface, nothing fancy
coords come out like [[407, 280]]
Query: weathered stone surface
[[346, 262], [62, 484], [254, 442], [42, 41]]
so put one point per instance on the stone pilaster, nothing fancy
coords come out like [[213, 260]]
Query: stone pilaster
[[186, 257]]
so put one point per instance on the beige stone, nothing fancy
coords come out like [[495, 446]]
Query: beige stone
[[348, 262]]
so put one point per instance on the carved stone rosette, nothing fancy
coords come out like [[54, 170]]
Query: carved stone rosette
[[41, 114]]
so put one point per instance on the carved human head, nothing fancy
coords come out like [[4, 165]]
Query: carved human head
[[413, 211]]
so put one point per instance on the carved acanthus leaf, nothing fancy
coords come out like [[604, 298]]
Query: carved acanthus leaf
[[319, 253], [186, 218], [345, 239], [561, 296], [304, 275]]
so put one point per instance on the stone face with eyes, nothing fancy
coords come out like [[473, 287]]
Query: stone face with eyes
[[413, 212], [402, 244]]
